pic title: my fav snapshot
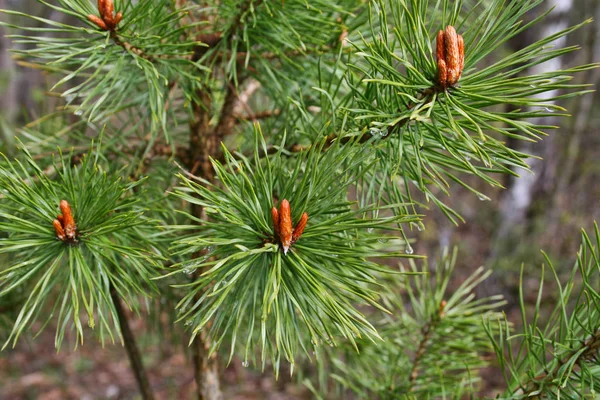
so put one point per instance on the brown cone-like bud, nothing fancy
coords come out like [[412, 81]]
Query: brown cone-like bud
[[285, 225], [442, 72], [299, 227], [98, 21], [275, 217], [452, 55], [68, 220], [461, 54], [118, 18], [60, 233], [440, 46]]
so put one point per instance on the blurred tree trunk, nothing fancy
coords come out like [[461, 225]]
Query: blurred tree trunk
[[517, 201], [580, 123]]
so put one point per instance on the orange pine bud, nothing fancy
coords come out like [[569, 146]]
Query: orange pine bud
[[118, 18], [299, 227], [442, 72], [68, 220], [285, 225], [440, 46], [452, 55], [95, 19], [108, 16], [461, 54], [102, 8], [275, 217], [60, 233]]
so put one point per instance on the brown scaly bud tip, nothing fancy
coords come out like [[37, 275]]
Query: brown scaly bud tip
[[461, 55], [440, 52], [98, 21], [68, 220], [299, 227], [452, 55], [60, 233], [442, 72], [275, 217], [102, 8], [442, 308], [285, 225]]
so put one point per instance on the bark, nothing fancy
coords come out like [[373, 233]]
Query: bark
[[517, 201], [580, 122], [132, 350]]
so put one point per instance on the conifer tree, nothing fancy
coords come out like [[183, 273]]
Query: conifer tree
[[263, 163]]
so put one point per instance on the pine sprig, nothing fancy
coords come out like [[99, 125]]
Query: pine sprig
[[248, 289], [434, 135], [74, 277], [557, 358], [434, 343], [111, 71]]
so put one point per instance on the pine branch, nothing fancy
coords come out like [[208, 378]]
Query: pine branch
[[131, 347], [427, 331]]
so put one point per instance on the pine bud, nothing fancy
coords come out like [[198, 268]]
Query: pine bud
[[442, 72], [461, 53], [450, 54], [60, 233], [107, 20], [440, 47], [299, 227], [95, 19], [275, 217], [285, 225], [68, 220]]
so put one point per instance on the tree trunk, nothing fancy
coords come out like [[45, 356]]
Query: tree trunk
[[516, 203]]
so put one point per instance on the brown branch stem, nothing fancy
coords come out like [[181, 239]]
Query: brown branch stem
[[592, 347], [131, 347]]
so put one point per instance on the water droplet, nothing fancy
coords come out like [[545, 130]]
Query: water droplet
[[533, 86], [69, 98], [79, 112], [548, 109], [245, 363], [482, 197], [374, 131], [468, 157], [409, 250], [480, 142], [370, 230], [382, 240]]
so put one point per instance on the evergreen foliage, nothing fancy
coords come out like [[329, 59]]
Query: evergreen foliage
[[557, 352], [433, 347], [72, 279], [309, 294], [359, 133]]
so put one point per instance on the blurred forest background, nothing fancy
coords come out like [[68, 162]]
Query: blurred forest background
[[545, 210]]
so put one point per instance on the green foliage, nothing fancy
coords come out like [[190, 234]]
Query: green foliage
[[556, 357], [434, 135], [434, 343], [129, 71], [363, 135], [310, 294], [113, 250]]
